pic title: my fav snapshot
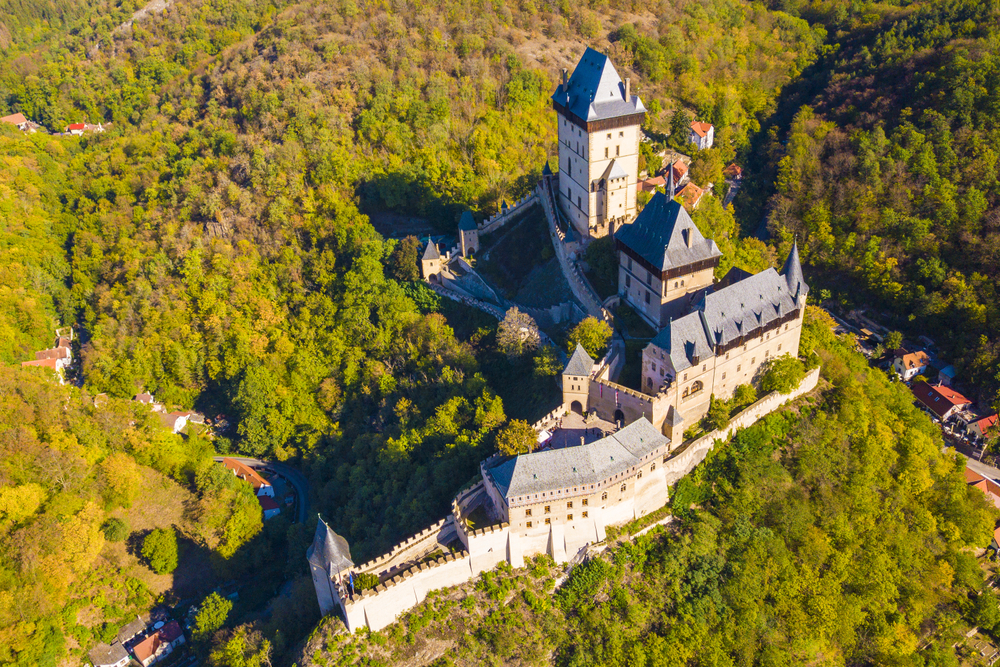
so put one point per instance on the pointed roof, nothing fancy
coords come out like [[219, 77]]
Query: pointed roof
[[673, 417], [431, 252], [660, 233], [580, 363], [615, 171], [329, 551], [467, 223], [792, 273], [546, 170], [595, 91]]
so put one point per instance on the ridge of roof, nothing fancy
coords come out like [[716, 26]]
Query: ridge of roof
[[595, 91], [431, 251], [658, 235], [580, 363]]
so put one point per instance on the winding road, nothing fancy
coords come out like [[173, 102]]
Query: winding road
[[294, 477]]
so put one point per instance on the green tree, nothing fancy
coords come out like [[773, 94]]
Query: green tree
[[517, 437], [517, 334], [593, 334], [159, 548], [744, 395], [718, 415], [893, 341], [782, 375], [211, 616], [115, 529], [404, 262]]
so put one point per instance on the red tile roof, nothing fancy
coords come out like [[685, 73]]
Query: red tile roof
[[147, 647], [77, 126], [170, 631], [733, 170], [701, 129], [915, 359], [268, 503], [690, 194], [938, 400], [53, 353], [679, 169], [984, 484], [48, 363], [986, 423], [14, 119], [246, 473]]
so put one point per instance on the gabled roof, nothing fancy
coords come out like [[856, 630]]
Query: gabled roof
[[595, 91], [684, 340], [14, 119], [986, 423], [47, 363], [701, 129], [732, 170], [102, 654], [948, 371], [679, 170], [131, 630], [170, 631], [580, 363], [77, 126], [246, 473], [431, 251], [574, 466], [691, 194], [918, 359], [615, 171], [267, 503], [745, 306], [467, 223], [792, 271], [938, 400], [53, 353], [659, 235]]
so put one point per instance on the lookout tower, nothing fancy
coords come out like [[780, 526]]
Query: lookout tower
[[599, 120]]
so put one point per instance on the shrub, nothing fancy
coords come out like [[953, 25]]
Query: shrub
[[115, 530], [160, 550], [365, 581], [593, 334], [782, 375]]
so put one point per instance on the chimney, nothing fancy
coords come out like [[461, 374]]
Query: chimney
[[581, 441], [565, 78], [628, 89]]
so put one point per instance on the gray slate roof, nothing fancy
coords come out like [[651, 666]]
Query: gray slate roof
[[431, 251], [467, 223], [684, 339], [615, 171], [329, 550], [131, 630], [792, 271], [595, 91], [102, 654], [657, 235], [580, 363], [575, 466]]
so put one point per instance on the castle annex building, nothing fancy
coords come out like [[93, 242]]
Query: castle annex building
[[599, 120]]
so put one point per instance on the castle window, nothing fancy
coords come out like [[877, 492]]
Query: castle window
[[647, 297], [569, 517], [738, 366], [604, 496], [768, 337], [682, 283], [609, 135], [605, 151], [569, 505], [723, 376], [621, 134], [685, 376], [779, 347], [579, 203], [623, 488], [675, 284], [652, 467], [586, 502], [585, 515], [618, 151], [629, 263], [528, 524], [649, 382], [753, 360], [548, 522], [527, 512], [593, 187], [786, 327], [704, 368], [744, 348], [628, 282], [548, 509], [640, 475], [727, 355]]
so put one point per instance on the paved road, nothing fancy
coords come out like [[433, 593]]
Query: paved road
[[294, 477], [982, 468]]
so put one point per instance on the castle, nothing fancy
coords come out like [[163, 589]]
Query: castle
[[712, 337]]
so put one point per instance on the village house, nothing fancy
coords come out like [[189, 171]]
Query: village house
[[946, 375], [984, 484], [690, 195], [18, 120], [130, 630], [159, 644], [982, 429], [909, 365], [104, 655], [269, 507], [78, 129], [943, 402], [598, 120], [733, 172], [261, 486], [174, 421], [57, 358], [702, 135]]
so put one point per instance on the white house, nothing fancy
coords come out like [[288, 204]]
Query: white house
[[261, 486], [909, 365], [702, 135]]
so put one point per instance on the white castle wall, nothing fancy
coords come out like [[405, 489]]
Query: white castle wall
[[487, 547]]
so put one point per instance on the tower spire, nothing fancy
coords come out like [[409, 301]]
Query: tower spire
[[670, 181], [792, 273]]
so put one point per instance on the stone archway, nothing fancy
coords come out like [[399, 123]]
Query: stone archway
[[576, 407], [619, 417]]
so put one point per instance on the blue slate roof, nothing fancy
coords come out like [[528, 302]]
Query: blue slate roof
[[575, 466], [658, 235], [595, 91], [467, 223]]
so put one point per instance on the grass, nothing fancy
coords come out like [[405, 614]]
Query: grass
[[521, 246], [478, 519], [631, 323]]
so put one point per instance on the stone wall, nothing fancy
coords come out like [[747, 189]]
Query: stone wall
[[488, 546], [498, 220], [684, 459]]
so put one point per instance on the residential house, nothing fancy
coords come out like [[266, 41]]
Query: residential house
[[984, 484], [946, 375], [144, 398], [702, 135], [268, 506], [175, 421], [261, 486], [77, 129], [679, 172], [943, 402], [22, 123], [52, 364], [909, 365], [981, 428], [114, 655], [690, 195], [129, 631], [733, 172], [158, 645], [651, 184]]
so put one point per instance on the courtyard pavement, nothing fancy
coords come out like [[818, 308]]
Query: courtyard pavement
[[572, 427]]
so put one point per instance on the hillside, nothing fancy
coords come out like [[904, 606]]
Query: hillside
[[833, 533]]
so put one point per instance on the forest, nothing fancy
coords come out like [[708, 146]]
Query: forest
[[217, 246]]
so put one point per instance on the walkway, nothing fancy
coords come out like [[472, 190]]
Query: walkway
[[294, 477], [980, 467]]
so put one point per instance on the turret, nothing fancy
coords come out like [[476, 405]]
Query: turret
[[792, 273]]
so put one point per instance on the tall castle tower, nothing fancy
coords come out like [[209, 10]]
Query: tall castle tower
[[599, 122]]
